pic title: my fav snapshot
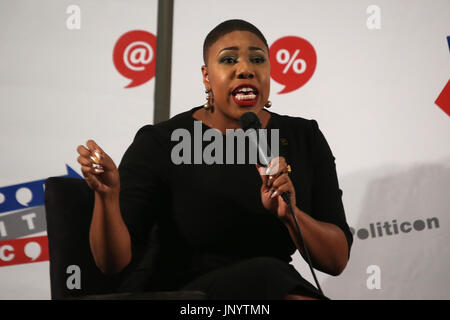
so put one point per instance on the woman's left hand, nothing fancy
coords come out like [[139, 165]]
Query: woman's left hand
[[276, 181]]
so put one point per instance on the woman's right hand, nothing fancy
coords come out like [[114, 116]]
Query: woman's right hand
[[98, 169]]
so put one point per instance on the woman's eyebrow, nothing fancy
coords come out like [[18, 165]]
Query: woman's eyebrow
[[229, 48], [237, 48], [255, 48]]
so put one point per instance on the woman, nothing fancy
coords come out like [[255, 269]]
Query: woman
[[222, 229]]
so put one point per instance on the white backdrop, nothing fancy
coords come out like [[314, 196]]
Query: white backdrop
[[372, 93], [58, 88]]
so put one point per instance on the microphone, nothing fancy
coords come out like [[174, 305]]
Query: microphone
[[249, 120]]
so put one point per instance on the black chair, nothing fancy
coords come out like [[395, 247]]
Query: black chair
[[68, 205]]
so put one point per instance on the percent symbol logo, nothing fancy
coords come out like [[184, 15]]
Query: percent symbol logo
[[283, 57], [293, 62]]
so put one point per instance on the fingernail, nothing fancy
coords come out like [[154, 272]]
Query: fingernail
[[274, 194], [97, 170], [97, 154], [95, 159]]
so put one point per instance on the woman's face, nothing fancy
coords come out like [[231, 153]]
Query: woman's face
[[238, 74]]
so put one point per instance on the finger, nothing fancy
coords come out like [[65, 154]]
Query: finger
[[91, 176], [96, 153], [274, 177], [90, 162], [281, 189], [275, 163], [280, 180], [93, 159], [261, 171], [84, 161], [270, 180], [88, 171], [276, 167], [93, 182], [282, 184], [92, 146], [83, 151], [99, 157]]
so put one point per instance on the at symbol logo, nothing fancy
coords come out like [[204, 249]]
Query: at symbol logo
[[134, 56]]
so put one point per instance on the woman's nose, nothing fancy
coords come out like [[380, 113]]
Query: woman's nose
[[244, 71], [246, 75]]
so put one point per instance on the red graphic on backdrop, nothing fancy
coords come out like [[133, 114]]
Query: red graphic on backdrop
[[293, 61], [134, 56], [26, 250], [443, 101]]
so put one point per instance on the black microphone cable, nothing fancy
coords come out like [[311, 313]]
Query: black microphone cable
[[287, 198]]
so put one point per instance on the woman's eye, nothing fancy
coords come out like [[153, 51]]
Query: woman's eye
[[228, 60], [258, 60]]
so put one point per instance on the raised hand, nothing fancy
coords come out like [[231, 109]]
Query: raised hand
[[276, 181], [98, 169]]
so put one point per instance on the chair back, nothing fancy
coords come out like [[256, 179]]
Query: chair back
[[68, 206]]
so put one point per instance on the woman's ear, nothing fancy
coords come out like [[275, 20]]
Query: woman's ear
[[205, 76]]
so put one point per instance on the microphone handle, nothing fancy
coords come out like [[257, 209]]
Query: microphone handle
[[286, 196]]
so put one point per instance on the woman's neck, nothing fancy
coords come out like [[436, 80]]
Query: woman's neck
[[221, 122]]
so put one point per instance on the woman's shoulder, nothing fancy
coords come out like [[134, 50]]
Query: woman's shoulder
[[153, 138], [165, 128], [294, 123], [305, 131]]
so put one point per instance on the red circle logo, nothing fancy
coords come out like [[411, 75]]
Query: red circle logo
[[293, 61], [134, 56]]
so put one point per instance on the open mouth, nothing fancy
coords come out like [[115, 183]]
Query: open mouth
[[245, 95]]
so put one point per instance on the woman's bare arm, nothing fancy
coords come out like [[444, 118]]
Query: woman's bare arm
[[108, 235]]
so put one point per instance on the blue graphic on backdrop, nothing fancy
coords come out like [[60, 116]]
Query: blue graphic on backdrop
[[28, 194]]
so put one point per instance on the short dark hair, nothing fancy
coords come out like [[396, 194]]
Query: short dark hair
[[227, 27]]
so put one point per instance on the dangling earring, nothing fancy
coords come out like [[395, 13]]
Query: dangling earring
[[207, 105], [268, 104]]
